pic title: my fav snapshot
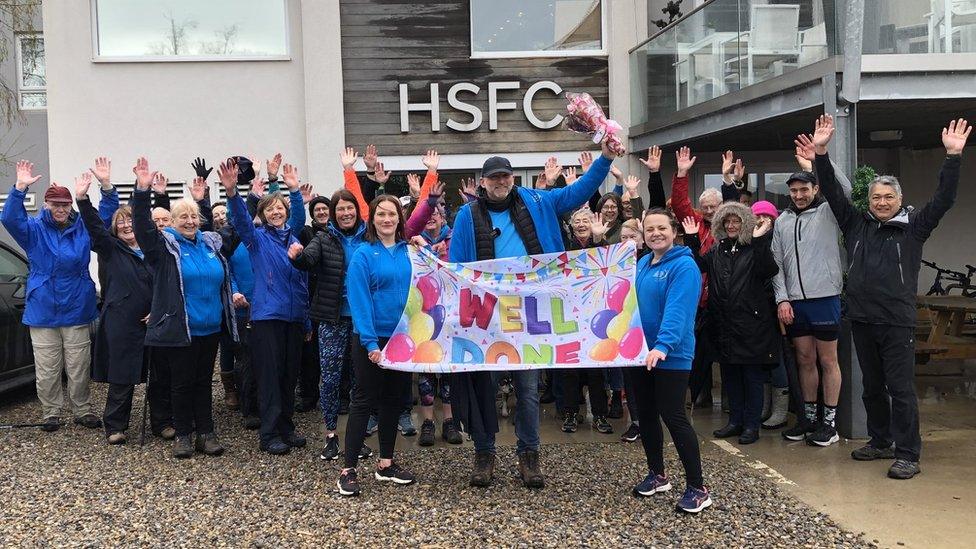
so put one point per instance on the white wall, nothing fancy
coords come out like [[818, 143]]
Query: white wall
[[627, 26], [174, 112]]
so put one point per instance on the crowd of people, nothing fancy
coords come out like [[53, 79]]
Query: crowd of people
[[295, 309]]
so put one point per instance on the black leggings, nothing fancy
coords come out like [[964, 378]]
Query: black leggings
[[376, 389], [661, 394]]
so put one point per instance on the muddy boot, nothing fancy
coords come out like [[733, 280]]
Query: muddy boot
[[230, 391]]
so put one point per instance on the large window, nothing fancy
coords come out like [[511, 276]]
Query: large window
[[31, 72], [540, 28], [190, 30]]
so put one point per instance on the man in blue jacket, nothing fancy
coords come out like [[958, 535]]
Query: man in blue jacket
[[510, 221], [60, 293]]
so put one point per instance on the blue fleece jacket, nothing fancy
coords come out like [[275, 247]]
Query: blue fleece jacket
[[350, 243], [377, 283], [60, 291], [545, 207], [280, 290], [203, 277], [241, 273], [667, 297]]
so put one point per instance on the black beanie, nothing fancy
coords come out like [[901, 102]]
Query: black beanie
[[317, 200]]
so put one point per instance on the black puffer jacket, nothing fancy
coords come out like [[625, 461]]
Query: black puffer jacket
[[742, 313], [324, 258]]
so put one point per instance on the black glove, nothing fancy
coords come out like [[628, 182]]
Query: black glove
[[200, 166]]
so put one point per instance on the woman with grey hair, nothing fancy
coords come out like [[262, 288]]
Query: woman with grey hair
[[742, 313]]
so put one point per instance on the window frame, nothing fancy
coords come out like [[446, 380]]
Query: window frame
[[96, 57], [19, 59], [602, 52]]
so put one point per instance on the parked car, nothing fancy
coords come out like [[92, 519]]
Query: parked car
[[16, 354]]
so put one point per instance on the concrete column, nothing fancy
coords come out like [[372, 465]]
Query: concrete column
[[626, 26]]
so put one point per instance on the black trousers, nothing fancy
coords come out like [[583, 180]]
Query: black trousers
[[276, 350], [744, 388], [247, 385], [191, 368], [376, 388], [311, 372], [887, 358], [118, 408], [160, 391], [661, 396], [572, 377]]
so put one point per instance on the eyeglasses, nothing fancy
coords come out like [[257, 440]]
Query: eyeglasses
[[124, 222]]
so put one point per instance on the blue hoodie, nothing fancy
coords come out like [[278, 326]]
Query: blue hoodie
[[280, 290], [350, 243], [377, 283], [545, 207], [203, 277], [667, 296]]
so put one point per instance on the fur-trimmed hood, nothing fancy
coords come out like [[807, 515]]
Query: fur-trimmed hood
[[733, 208]]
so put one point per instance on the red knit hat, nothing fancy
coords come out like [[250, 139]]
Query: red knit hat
[[57, 194]]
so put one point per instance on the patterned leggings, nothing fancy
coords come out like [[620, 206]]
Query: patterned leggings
[[426, 385], [333, 339]]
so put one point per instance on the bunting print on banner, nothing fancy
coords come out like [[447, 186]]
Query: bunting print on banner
[[563, 310]]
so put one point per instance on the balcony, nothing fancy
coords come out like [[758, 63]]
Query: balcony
[[727, 48]]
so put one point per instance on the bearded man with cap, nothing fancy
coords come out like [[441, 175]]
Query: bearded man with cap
[[60, 292], [510, 221]]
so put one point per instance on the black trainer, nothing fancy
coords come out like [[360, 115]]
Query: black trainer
[[450, 433], [749, 436], [903, 469], [348, 483], [799, 431], [569, 423], [294, 440], [824, 435], [394, 473], [631, 434], [602, 425], [365, 452], [276, 447], [616, 406], [870, 453], [90, 421], [730, 430], [331, 450], [426, 433]]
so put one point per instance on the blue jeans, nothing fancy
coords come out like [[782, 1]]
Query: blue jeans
[[526, 384]]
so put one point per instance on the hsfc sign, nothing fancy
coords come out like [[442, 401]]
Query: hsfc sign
[[456, 95]]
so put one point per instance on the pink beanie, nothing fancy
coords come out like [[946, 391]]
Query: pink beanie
[[764, 207]]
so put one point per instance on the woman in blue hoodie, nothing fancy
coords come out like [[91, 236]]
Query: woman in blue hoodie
[[191, 304], [378, 281], [278, 312], [668, 286]]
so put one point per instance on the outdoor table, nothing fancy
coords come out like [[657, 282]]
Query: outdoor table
[[950, 312]]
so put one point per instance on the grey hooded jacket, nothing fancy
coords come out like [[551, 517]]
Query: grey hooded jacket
[[807, 249]]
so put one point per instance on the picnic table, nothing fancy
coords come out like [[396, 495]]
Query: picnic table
[[946, 338]]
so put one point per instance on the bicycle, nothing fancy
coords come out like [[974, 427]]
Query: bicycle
[[958, 280]]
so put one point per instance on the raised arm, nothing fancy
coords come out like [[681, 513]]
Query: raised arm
[[954, 139], [14, 216], [110, 198], [573, 196], [431, 160], [348, 158], [421, 214], [149, 238], [655, 185], [680, 201], [296, 210], [101, 238], [765, 266], [844, 211], [237, 212]]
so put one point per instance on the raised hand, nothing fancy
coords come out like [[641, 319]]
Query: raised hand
[[569, 174], [728, 163], [690, 225], [653, 357], [348, 158], [585, 159], [413, 183], [653, 161], [763, 224], [805, 151], [436, 191], [631, 184], [954, 137], [605, 149], [541, 181], [379, 175], [227, 172], [616, 173], [144, 178], [200, 167], [25, 177], [257, 187], [307, 193], [198, 189], [552, 170], [597, 227], [273, 164], [431, 160], [289, 174], [102, 171], [468, 189], [822, 133], [82, 183], [159, 183], [685, 161], [739, 171], [370, 158], [295, 249]]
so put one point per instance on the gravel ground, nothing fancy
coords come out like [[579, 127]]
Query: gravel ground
[[71, 489]]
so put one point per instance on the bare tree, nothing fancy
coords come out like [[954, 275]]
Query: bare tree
[[223, 42], [15, 16], [175, 42]]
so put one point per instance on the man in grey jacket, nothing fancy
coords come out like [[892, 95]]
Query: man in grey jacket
[[806, 247]]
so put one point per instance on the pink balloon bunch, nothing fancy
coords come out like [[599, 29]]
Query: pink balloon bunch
[[586, 116]]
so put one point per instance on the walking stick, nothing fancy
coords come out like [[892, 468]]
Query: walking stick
[[145, 398], [23, 425]]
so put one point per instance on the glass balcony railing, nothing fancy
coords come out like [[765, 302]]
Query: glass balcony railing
[[919, 26], [725, 46]]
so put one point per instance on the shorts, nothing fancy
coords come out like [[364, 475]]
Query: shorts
[[818, 317]]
